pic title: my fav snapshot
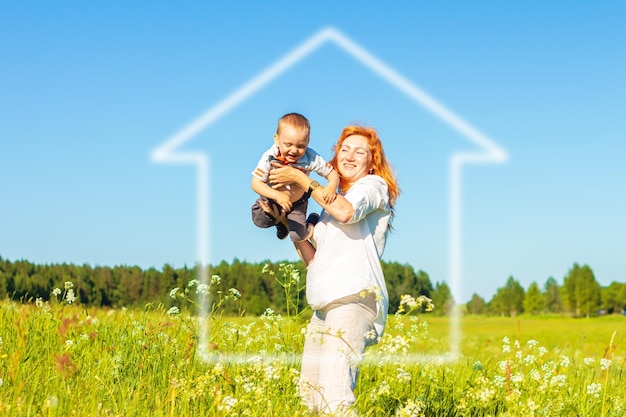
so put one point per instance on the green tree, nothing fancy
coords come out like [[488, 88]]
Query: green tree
[[402, 279], [442, 298], [508, 300], [477, 305], [534, 302], [613, 297], [583, 291], [499, 304], [552, 296]]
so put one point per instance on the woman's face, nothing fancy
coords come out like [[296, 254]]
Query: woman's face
[[354, 158]]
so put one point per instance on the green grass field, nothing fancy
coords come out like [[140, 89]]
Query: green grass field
[[582, 336], [58, 359]]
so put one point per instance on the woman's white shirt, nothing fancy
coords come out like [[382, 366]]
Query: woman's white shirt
[[347, 260]]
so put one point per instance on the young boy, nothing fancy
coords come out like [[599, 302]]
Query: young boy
[[291, 142]]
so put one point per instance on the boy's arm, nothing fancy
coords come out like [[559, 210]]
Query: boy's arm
[[330, 190], [266, 191], [333, 180]]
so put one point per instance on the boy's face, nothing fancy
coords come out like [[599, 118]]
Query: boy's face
[[292, 142]]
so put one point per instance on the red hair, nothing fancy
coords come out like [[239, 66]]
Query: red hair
[[380, 164]]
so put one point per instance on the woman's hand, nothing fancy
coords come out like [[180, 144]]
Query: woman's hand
[[282, 175], [340, 208]]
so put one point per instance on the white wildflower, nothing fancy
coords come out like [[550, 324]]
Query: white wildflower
[[51, 402], [565, 361], [403, 376], [384, 388], [202, 289], [295, 276], [532, 343], [411, 409], [174, 292], [227, 403], [506, 347], [517, 378], [56, 292], [70, 296], [530, 359], [39, 302], [558, 380], [594, 389], [486, 395], [271, 372], [605, 364], [408, 301], [173, 311], [548, 368], [371, 335], [215, 280], [589, 361], [499, 381], [69, 285]]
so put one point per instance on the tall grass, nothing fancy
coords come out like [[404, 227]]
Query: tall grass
[[60, 359]]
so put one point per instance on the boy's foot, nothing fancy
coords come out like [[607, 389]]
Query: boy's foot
[[313, 219], [281, 230]]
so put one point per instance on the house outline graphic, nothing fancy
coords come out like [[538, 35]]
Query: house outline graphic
[[489, 152]]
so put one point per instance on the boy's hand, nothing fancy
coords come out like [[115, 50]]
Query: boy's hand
[[284, 201], [329, 195]]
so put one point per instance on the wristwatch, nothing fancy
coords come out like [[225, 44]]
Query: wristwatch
[[313, 185]]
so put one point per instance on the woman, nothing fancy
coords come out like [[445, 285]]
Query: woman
[[345, 285]]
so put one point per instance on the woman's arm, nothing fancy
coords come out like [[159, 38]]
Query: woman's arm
[[341, 209]]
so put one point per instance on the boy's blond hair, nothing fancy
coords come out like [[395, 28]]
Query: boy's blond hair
[[296, 120]]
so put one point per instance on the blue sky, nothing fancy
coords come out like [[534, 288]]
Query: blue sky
[[89, 90]]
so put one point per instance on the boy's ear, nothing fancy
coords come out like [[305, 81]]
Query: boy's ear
[[275, 138]]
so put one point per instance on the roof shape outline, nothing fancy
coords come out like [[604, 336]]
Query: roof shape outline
[[166, 152], [489, 152]]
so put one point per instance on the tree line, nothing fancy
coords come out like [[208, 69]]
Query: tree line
[[130, 286], [580, 295]]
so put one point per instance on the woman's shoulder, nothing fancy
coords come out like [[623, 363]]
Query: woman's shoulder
[[370, 185], [372, 180]]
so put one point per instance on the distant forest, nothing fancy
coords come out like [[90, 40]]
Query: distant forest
[[132, 287]]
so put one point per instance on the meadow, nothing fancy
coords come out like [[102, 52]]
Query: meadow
[[58, 358]]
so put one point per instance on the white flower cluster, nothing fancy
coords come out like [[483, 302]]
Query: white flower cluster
[[411, 409]]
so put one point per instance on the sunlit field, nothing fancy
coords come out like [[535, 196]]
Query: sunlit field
[[60, 359]]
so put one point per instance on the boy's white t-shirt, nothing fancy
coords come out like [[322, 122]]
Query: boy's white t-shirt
[[347, 260], [309, 161]]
